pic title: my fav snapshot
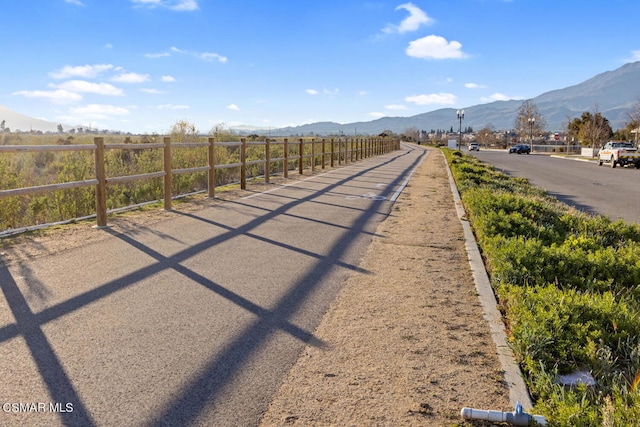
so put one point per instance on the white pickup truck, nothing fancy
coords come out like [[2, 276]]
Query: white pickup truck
[[619, 153]]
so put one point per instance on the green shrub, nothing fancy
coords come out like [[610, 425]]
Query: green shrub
[[569, 286]]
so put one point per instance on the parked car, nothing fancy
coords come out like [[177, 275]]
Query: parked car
[[619, 153], [520, 149], [474, 146]]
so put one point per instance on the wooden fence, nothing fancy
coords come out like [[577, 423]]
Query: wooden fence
[[330, 152]]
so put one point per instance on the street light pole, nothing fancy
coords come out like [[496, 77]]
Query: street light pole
[[531, 121], [460, 114]]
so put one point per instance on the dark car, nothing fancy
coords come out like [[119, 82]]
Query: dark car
[[520, 149]]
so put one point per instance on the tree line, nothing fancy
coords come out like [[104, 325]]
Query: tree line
[[590, 129]]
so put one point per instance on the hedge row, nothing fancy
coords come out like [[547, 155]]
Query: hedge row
[[568, 285]]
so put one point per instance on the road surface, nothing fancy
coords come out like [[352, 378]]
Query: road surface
[[588, 187]]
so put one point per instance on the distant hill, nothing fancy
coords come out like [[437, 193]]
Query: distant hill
[[19, 122], [612, 92]]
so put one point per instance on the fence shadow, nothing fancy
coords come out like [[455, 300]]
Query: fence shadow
[[190, 403]]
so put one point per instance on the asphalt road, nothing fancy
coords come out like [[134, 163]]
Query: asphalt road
[[588, 187], [194, 320]]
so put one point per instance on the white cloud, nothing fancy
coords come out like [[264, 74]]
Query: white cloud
[[363, 93], [157, 55], [99, 111], [635, 56], [326, 92], [75, 2], [416, 18], [435, 47], [185, 5], [86, 71], [177, 5], [434, 98], [168, 79], [209, 56], [152, 91], [131, 78], [233, 107], [376, 114], [396, 107], [474, 86], [498, 97], [81, 86], [59, 96], [172, 107], [205, 56]]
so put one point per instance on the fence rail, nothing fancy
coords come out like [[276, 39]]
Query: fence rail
[[332, 150]]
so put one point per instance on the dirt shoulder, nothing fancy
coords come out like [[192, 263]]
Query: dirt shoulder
[[407, 343]]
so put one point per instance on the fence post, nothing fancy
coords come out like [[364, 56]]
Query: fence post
[[211, 178], [332, 151], [339, 151], [347, 153], [324, 153], [313, 155], [300, 156], [351, 151], [267, 160], [285, 162], [243, 160], [346, 150], [101, 188], [167, 174]]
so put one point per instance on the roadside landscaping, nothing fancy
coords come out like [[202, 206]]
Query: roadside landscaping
[[568, 285]]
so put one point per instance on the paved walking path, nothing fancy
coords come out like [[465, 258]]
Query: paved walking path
[[197, 316]]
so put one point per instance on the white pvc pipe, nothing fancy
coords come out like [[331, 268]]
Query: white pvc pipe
[[514, 418]]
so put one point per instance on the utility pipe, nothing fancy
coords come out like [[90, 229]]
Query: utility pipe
[[516, 418]]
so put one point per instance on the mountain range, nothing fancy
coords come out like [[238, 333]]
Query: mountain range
[[20, 122], [612, 93]]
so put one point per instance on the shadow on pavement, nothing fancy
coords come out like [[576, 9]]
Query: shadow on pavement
[[191, 401]]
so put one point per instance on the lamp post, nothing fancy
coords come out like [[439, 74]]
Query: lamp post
[[460, 114], [532, 121]]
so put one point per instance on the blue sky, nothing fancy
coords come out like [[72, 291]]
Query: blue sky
[[142, 65]]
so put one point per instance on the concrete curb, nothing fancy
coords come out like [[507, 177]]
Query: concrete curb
[[518, 391], [575, 159]]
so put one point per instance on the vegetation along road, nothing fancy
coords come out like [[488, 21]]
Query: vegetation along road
[[194, 321], [588, 187]]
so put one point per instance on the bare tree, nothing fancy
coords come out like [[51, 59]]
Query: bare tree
[[223, 133], [487, 135], [184, 131], [633, 125], [412, 134], [529, 121]]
